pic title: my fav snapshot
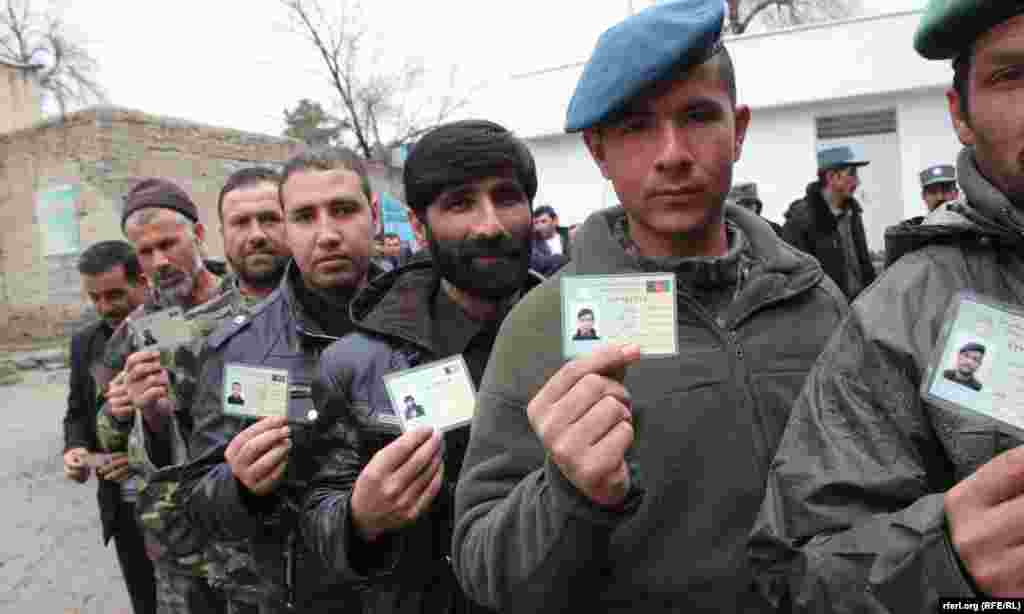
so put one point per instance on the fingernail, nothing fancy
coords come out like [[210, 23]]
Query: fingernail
[[631, 348], [286, 431]]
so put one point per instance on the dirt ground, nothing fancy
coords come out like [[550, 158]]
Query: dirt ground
[[52, 559]]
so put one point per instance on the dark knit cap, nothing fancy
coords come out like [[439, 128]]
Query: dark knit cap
[[155, 192]]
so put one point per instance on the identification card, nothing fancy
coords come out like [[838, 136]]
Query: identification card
[[619, 309], [978, 360], [162, 330], [255, 392], [439, 394]]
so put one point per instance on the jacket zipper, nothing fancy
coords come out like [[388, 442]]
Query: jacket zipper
[[730, 341]]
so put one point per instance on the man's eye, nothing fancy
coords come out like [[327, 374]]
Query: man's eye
[[1012, 73]]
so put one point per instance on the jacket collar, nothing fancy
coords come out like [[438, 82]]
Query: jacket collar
[[305, 324], [778, 271]]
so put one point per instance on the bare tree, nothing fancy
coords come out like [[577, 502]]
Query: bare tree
[[66, 69], [379, 108], [772, 14]]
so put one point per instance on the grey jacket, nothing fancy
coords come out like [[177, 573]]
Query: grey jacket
[[853, 519], [707, 423]]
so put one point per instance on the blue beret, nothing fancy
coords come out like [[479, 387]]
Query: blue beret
[[640, 50]]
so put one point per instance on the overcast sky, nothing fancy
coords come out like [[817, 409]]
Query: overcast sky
[[234, 63]]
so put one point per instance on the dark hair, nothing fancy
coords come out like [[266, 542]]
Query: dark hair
[[327, 159], [390, 235], [726, 72], [972, 347], [823, 173], [462, 152], [547, 210], [408, 397], [961, 80], [106, 255], [586, 311], [244, 178], [236, 383]]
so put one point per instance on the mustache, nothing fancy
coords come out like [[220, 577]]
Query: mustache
[[498, 247]]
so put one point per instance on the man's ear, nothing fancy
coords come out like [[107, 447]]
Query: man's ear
[[375, 209], [418, 227], [200, 231], [961, 124], [595, 144], [742, 123]]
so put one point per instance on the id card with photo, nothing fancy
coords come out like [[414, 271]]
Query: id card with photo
[[619, 309], [978, 360], [255, 392], [162, 330], [439, 394]]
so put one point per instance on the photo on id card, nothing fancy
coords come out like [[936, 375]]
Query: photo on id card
[[978, 361], [162, 330], [439, 395], [255, 392], [619, 309]]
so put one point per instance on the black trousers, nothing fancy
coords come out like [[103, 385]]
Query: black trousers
[[135, 565]]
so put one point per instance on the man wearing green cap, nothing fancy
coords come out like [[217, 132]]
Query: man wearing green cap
[[620, 483], [878, 500]]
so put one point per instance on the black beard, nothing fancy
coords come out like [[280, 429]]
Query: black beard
[[454, 262], [266, 280]]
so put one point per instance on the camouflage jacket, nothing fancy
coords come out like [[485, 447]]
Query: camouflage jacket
[[158, 478]]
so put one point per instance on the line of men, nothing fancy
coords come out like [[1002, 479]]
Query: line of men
[[760, 470]]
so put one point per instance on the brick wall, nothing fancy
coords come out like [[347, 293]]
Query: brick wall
[[19, 98], [98, 154]]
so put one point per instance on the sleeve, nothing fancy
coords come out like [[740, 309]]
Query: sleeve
[[793, 233], [327, 523], [217, 502], [853, 519], [111, 435], [77, 421], [525, 538]]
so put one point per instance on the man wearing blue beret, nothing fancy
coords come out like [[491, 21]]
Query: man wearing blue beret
[[827, 222], [880, 500], [611, 483]]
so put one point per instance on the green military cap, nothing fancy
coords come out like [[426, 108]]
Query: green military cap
[[741, 192], [950, 27]]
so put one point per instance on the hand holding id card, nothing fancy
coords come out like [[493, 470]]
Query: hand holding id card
[[439, 395], [162, 330], [978, 360], [619, 309]]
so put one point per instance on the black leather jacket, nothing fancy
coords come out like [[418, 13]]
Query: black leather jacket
[[281, 334]]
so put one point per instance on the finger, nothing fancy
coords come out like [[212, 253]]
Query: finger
[[385, 462], [429, 495], [606, 456], [266, 464], [605, 360], [260, 446], [414, 491], [141, 358], [264, 425], [267, 485], [998, 480], [596, 423], [115, 463], [141, 371], [150, 396], [552, 421], [417, 463], [119, 474]]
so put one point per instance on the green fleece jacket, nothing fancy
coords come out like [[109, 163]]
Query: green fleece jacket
[[707, 423]]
